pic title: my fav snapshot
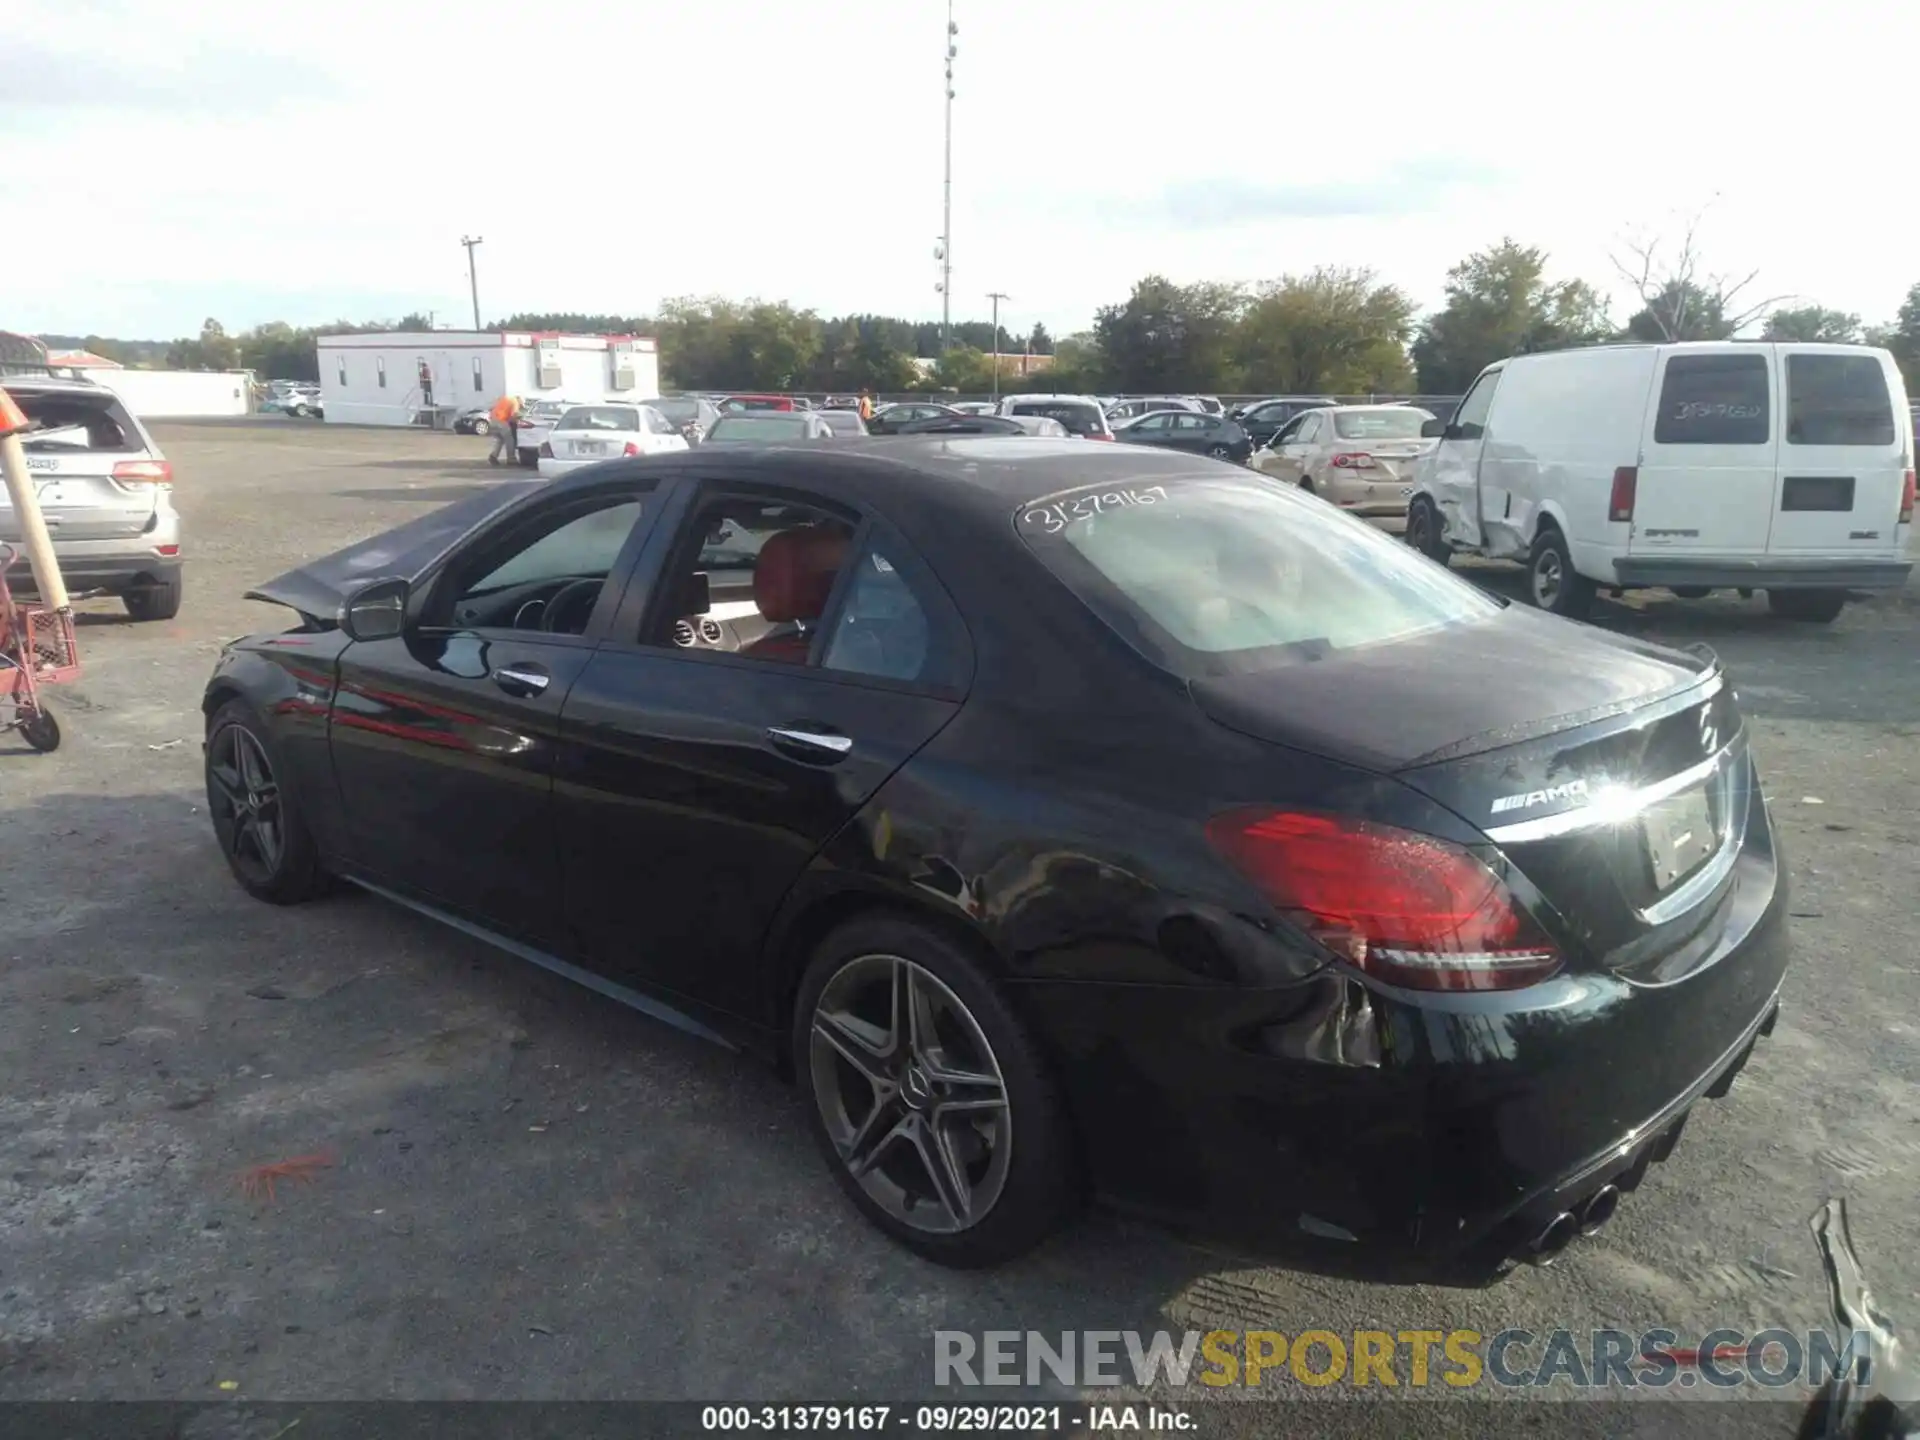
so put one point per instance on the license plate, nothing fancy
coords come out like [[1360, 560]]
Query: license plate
[[589, 447], [1680, 836]]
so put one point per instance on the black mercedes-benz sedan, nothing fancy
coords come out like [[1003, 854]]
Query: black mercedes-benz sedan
[[1071, 820]]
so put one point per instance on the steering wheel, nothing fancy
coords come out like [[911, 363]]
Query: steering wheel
[[565, 597]]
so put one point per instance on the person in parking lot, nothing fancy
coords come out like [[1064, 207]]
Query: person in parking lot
[[866, 406], [505, 414]]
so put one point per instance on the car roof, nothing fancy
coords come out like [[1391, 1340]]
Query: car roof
[[1039, 399], [56, 384]]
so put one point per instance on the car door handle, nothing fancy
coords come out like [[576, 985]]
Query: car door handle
[[810, 744], [522, 680]]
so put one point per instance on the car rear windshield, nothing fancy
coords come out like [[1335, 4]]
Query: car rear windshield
[[1838, 400], [1079, 419], [842, 422], [600, 417], [1713, 400], [1209, 576], [76, 422], [677, 409], [760, 427], [1379, 424]]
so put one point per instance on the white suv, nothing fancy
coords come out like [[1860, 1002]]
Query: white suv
[[107, 493]]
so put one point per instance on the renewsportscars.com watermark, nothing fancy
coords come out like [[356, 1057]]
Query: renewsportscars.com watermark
[[1413, 1359]]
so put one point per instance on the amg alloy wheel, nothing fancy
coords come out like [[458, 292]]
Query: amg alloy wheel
[[929, 1100], [911, 1094], [256, 818]]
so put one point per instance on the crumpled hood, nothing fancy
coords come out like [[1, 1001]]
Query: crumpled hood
[[317, 588]]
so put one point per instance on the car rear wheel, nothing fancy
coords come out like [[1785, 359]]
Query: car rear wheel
[[1552, 582], [256, 815], [155, 602], [1822, 607], [930, 1102], [1218, 452]]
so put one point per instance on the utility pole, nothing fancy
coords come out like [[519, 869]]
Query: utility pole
[[946, 223], [473, 275], [996, 297]]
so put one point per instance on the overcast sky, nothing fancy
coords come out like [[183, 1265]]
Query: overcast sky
[[166, 162]]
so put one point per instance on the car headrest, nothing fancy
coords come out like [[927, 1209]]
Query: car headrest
[[794, 573]]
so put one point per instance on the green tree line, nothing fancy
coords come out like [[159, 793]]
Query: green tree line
[[1335, 330]]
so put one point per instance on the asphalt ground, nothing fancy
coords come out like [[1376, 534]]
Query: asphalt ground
[[530, 1193]]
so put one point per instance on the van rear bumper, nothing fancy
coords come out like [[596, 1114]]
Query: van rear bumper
[[1763, 572]]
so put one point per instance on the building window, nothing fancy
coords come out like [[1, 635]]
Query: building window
[[380, 368], [341, 361], [476, 374]]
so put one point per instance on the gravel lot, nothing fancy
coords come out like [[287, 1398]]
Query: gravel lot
[[535, 1194]]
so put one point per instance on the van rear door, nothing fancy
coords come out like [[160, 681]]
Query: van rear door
[[1845, 453], [1708, 454]]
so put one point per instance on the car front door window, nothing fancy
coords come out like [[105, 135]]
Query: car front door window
[[547, 573], [1470, 420]]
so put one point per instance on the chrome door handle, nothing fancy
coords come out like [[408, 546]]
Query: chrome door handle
[[521, 679], [815, 740]]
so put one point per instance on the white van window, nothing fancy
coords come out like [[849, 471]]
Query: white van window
[[1838, 400], [1471, 418], [1713, 400]]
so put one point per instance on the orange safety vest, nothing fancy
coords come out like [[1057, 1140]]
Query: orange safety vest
[[505, 408]]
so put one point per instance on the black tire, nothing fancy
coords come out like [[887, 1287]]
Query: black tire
[[282, 873], [1819, 607], [1033, 1182], [42, 732], [1423, 531], [1218, 452], [155, 602], [1552, 582]]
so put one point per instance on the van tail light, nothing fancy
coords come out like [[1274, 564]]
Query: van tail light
[[546, 450], [1906, 499], [133, 473], [1409, 909], [1353, 460], [1626, 480], [630, 448]]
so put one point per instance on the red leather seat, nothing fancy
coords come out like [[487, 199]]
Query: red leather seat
[[792, 579]]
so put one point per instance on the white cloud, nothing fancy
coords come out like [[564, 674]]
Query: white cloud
[[170, 163]]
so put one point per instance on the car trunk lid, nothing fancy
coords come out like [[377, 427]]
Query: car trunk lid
[[95, 477], [1612, 775]]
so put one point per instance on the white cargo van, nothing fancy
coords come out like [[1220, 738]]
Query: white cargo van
[[1781, 467]]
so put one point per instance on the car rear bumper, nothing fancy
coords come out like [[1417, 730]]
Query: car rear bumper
[[1386, 1136], [113, 574], [1762, 572]]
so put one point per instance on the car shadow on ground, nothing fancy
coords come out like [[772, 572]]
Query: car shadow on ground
[[456, 462]]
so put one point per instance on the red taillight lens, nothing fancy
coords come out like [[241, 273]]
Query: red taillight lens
[[631, 448], [1626, 480], [1906, 499], [546, 450], [1354, 460], [1411, 909], [143, 472], [1100, 435]]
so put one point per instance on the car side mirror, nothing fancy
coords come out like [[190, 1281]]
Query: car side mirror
[[376, 611], [1433, 429]]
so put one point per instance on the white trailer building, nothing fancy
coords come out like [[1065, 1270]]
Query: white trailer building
[[429, 377]]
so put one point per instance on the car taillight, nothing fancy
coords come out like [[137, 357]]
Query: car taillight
[[546, 450], [1411, 909], [143, 472], [631, 448], [1626, 480], [1099, 435], [1354, 460], [1906, 499]]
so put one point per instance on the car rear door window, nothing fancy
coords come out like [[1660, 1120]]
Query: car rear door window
[[1838, 400], [1189, 422], [1713, 400]]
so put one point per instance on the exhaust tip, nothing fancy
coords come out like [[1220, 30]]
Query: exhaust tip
[[1598, 1210], [1560, 1232]]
